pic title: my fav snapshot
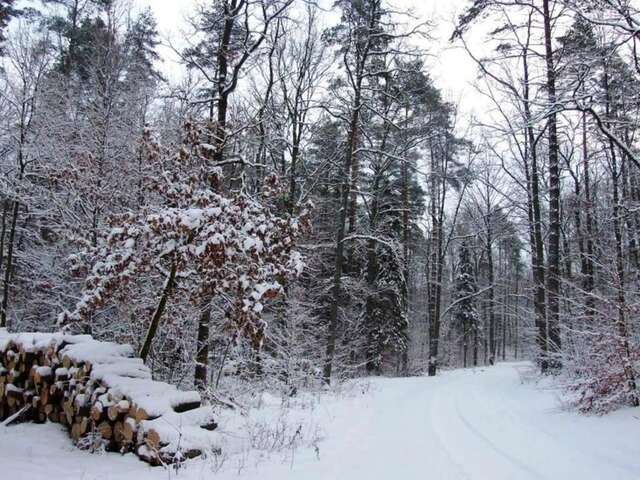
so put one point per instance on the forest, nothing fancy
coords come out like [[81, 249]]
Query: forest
[[286, 199]]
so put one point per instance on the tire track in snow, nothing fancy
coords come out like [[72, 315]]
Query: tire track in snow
[[493, 446], [517, 436], [408, 430], [429, 423], [481, 457]]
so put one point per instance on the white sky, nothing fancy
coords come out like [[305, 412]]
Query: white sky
[[450, 67]]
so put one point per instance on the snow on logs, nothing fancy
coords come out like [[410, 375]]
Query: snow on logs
[[102, 394]]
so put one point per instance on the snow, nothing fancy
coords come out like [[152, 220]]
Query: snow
[[474, 424], [129, 367], [44, 371], [183, 432], [32, 342], [12, 388], [96, 352], [156, 398]]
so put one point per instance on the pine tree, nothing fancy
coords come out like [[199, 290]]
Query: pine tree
[[141, 44], [466, 313], [7, 11]]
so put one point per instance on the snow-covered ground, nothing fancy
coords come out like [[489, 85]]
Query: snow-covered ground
[[463, 425]]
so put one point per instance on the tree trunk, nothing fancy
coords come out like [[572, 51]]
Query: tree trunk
[[537, 254], [9, 264], [515, 317], [589, 280], [373, 348], [505, 308], [435, 268], [405, 259], [340, 236], [491, 296], [347, 171], [3, 229], [262, 130], [157, 315], [553, 266], [202, 347]]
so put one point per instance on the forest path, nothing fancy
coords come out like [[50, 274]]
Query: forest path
[[499, 428], [473, 424]]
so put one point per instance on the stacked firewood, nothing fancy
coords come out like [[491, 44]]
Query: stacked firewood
[[102, 395]]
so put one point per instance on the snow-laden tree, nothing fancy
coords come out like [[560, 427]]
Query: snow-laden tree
[[466, 313], [207, 243], [7, 10], [22, 76]]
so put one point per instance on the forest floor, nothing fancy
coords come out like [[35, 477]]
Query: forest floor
[[486, 423]]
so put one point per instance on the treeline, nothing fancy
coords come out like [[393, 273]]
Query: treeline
[[174, 216], [562, 77], [114, 180]]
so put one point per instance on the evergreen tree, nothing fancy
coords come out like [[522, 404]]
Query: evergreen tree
[[7, 10], [465, 313], [140, 46]]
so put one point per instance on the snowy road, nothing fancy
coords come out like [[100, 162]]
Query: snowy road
[[479, 424]]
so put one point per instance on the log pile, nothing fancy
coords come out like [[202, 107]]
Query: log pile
[[101, 394]]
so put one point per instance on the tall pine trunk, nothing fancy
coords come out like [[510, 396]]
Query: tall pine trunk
[[553, 265], [537, 247]]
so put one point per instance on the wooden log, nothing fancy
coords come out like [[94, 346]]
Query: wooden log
[[118, 434], [40, 416], [129, 430], [62, 374], [75, 432], [28, 357], [41, 356], [15, 376], [32, 372], [10, 358], [69, 411], [210, 425], [140, 414], [28, 396], [45, 393], [153, 440], [97, 413], [186, 406], [67, 362], [149, 456], [56, 393], [97, 393], [105, 430], [115, 396], [84, 425], [118, 411], [53, 416], [14, 396]]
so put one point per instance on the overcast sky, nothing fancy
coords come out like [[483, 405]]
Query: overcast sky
[[452, 70]]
